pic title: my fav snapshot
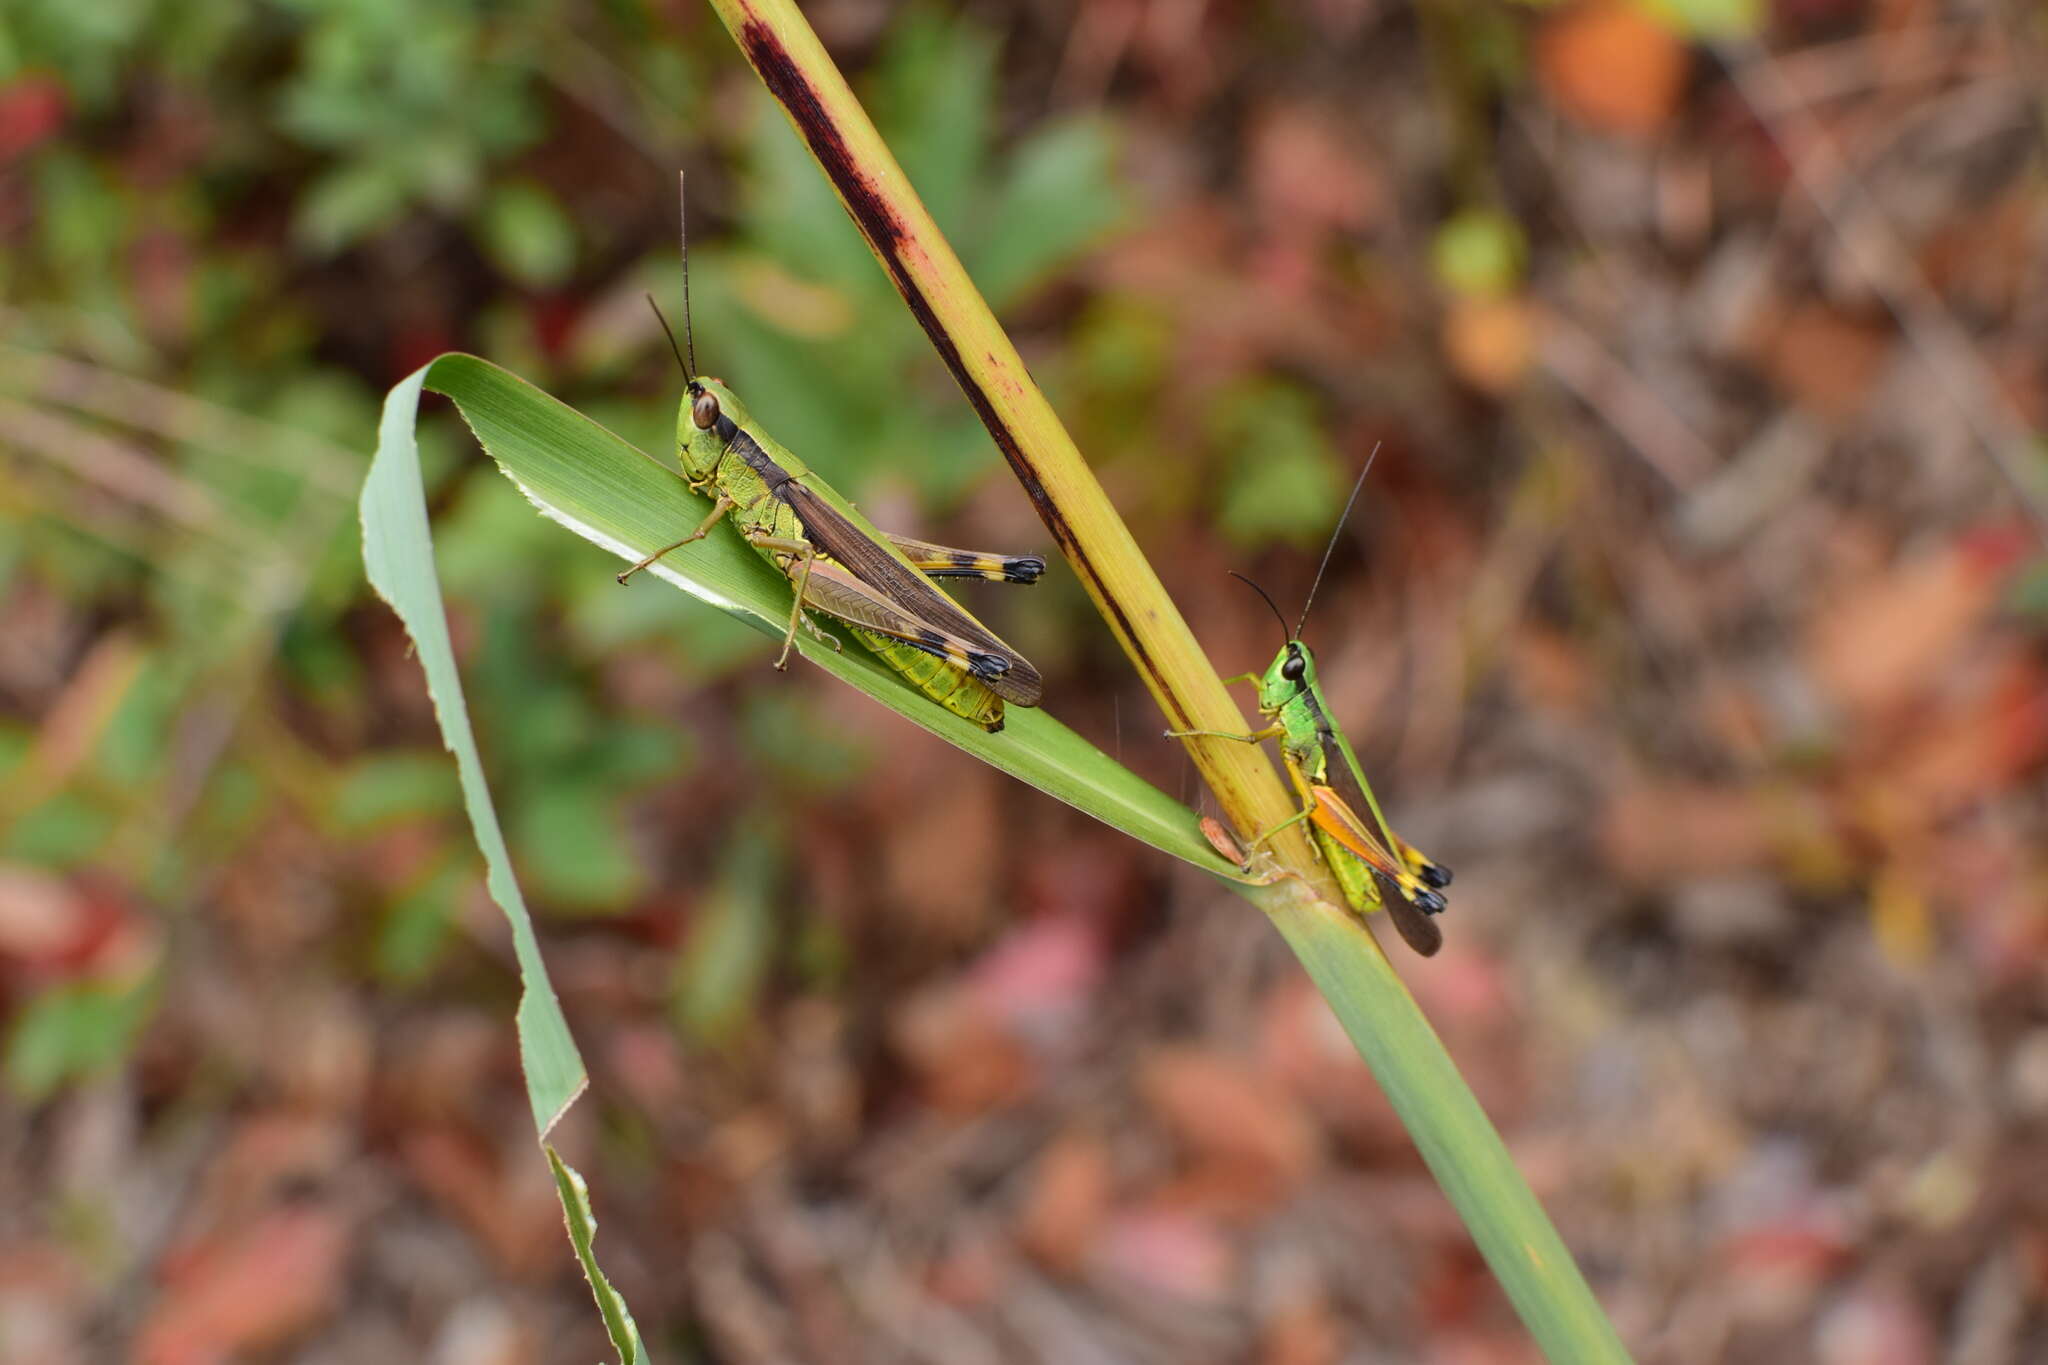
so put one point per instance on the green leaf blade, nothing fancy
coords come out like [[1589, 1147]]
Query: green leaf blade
[[399, 558]]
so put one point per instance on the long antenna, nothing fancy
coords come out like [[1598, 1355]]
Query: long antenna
[[683, 231], [663, 320], [1331, 548], [1284, 636]]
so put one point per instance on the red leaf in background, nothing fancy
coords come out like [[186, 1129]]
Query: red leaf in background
[[553, 319], [164, 267], [1222, 1111], [1070, 1194], [273, 1279], [505, 1200], [1784, 1262], [1817, 18], [31, 110], [1310, 175], [1302, 1045], [1170, 1251], [415, 346], [1880, 1322], [966, 1061], [1822, 360], [1039, 978], [1658, 832], [1893, 633], [63, 928], [1305, 1332], [1988, 737]]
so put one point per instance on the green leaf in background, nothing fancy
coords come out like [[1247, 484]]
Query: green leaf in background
[[1058, 199], [1708, 19], [731, 940], [1479, 253], [383, 787], [2029, 593], [1282, 480], [75, 1030], [528, 235], [932, 91], [347, 204], [415, 926], [572, 847], [68, 830]]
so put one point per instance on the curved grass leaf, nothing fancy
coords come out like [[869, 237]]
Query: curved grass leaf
[[616, 497], [398, 554]]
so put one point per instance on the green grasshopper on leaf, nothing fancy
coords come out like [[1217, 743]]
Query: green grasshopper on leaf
[[1373, 866], [881, 589]]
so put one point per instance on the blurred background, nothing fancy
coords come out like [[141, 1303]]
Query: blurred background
[[1693, 612]]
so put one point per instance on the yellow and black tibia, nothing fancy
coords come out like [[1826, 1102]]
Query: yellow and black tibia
[[880, 590]]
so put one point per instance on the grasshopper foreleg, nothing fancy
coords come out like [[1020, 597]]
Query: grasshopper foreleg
[[718, 509], [1255, 737]]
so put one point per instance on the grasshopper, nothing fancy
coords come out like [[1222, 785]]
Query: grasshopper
[[1373, 866], [881, 589]]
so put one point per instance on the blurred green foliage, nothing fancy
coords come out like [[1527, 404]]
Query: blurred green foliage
[[1480, 252], [250, 205]]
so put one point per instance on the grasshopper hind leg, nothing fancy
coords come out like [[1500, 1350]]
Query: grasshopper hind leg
[[1430, 872]]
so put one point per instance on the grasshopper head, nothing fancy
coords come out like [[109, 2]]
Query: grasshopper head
[[709, 416], [1292, 672]]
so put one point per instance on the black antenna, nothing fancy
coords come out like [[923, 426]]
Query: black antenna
[[1284, 636], [1335, 531], [683, 231], [671, 334]]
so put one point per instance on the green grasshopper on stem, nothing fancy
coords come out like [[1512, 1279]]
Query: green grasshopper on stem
[[881, 589], [1373, 866]]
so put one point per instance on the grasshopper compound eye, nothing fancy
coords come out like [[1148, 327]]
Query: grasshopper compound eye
[[704, 411], [1293, 668]]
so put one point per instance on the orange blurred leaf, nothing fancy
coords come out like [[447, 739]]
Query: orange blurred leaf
[[1220, 1109], [1610, 66], [1070, 1194]]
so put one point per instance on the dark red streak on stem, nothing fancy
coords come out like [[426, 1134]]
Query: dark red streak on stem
[[885, 231]]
